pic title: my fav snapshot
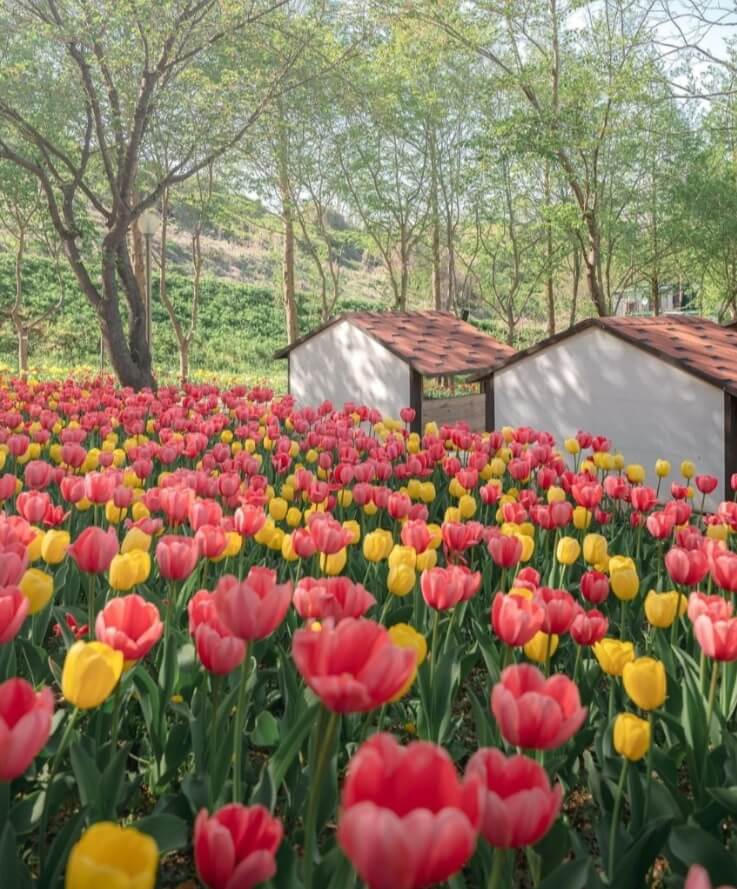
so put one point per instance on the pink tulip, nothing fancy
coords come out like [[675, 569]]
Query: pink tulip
[[25, 724], [254, 607]]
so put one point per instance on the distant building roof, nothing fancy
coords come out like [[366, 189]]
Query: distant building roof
[[432, 343], [698, 346]]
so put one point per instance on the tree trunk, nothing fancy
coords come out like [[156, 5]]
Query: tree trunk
[[288, 290], [452, 281], [138, 249], [576, 282], [549, 288], [22, 331], [183, 361], [592, 261], [511, 324], [437, 296], [655, 294]]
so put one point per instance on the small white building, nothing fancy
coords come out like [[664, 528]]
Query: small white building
[[658, 387], [383, 359]]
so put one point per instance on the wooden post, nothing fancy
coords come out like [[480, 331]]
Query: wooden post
[[730, 442], [488, 389], [415, 400]]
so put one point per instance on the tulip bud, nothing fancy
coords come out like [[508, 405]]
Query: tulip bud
[[661, 609], [623, 578], [54, 546], [631, 736], [91, 671], [568, 550], [541, 647], [38, 588], [401, 579], [645, 682], [110, 855], [613, 654]]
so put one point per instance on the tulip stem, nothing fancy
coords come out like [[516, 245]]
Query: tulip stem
[[615, 818], [622, 619], [91, 605], [577, 663], [324, 737], [240, 714], [116, 718], [497, 869], [43, 823], [648, 769], [710, 712], [674, 625], [434, 653]]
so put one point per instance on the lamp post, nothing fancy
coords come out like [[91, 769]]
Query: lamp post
[[148, 224]]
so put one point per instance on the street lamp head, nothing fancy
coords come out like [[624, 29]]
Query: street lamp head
[[148, 222]]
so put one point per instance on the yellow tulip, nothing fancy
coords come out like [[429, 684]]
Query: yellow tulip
[[541, 646], [613, 655], [406, 636], [452, 514], [402, 555], [113, 857], [115, 514], [427, 560], [635, 473], [334, 563], [287, 549], [266, 532], [91, 672], [661, 608], [688, 469], [623, 578], [568, 550], [456, 489], [717, 532], [528, 547], [581, 518], [135, 539], [572, 446], [370, 508], [427, 492], [662, 468], [355, 529], [38, 588], [645, 682], [278, 507], [555, 494], [631, 736], [33, 549], [414, 487], [595, 549], [54, 546], [139, 511], [619, 463], [401, 579], [467, 506]]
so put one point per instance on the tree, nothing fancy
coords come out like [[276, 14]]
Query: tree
[[79, 87]]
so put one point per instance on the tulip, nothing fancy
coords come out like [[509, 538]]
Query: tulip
[[94, 549], [516, 620], [589, 627], [91, 672], [442, 588], [217, 648], [623, 578], [645, 682], [505, 551], [38, 588], [595, 549], [131, 625], [377, 545], [54, 546], [717, 638], [518, 804], [353, 667], [631, 736], [135, 539], [541, 647], [235, 847], [715, 606], [14, 607], [568, 550], [112, 856], [254, 607], [125, 570], [406, 636], [594, 587], [560, 609], [724, 570], [534, 712], [613, 655], [176, 556], [401, 579], [661, 609], [13, 561], [686, 567], [698, 878], [406, 820], [334, 597], [333, 564], [25, 724]]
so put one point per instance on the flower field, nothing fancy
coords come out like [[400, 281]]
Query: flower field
[[244, 644]]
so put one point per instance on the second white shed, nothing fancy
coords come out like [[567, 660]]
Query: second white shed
[[658, 387]]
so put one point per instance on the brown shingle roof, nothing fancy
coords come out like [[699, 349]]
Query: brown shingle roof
[[432, 343], [696, 345]]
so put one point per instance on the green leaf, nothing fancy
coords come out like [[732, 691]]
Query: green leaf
[[576, 874], [726, 796], [171, 833], [56, 860], [9, 861], [266, 730], [690, 844], [87, 774], [637, 858]]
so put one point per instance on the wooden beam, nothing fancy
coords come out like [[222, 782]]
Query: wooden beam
[[415, 399], [730, 442], [488, 387]]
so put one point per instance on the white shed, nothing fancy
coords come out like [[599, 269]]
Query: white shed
[[382, 359], [661, 386]]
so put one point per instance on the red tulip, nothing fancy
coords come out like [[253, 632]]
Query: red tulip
[[303, 543], [13, 611], [254, 607], [94, 549], [587, 494], [706, 483], [99, 486], [352, 666], [534, 712], [515, 619], [176, 556], [334, 597], [7, 486], [594, 587], [13, 562], [519, 806], [407, 821], [661, 524], [416, 535], [717, 638], [589, 627], [506, 551], [235, 847], [560, 609], [211, 540], [32, 505], [442, 588], [698, 878], [37, 474], [716, 607], [129, 624], [687, 567], [460, 536], [724, 569], [217, 648], [25, 724], [643, 498]]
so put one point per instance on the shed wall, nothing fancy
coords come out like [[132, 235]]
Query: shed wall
[[341, 364], [597, 382]]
